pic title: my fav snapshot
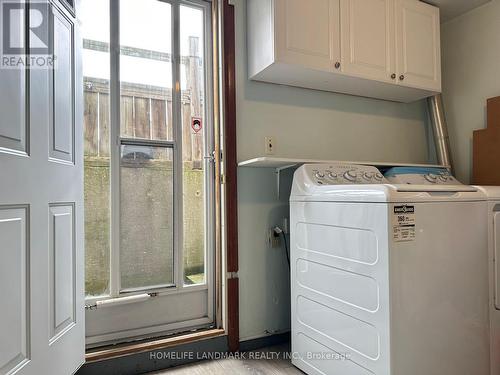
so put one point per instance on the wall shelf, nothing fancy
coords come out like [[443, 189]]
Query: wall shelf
[[280, 164]]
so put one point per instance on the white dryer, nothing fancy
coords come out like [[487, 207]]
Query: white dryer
[[493, 194], [388, 279]]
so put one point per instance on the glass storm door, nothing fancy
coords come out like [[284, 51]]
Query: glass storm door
[[149, 171]]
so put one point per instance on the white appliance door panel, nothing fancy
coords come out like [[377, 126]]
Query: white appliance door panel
[[340, 291], [439, 292]]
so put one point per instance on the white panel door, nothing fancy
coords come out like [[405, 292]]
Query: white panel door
[[41, 205], [368, 42], [418, 45], [308, 33]]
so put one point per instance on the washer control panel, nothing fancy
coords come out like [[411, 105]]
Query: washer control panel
[[345, 174], [421, 176]]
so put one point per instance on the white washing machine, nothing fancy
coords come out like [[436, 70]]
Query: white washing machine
[[493, 194], [388, 278]]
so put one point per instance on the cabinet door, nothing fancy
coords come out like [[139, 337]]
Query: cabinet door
[[308, 33], [418, 45], [368, 42]]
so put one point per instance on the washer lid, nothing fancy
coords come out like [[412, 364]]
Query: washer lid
[[396, 171], [421, 176]]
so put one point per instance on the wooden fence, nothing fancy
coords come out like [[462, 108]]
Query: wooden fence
[[146, 111]]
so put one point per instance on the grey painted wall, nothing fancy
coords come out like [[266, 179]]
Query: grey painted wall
[[471, 74], [306, 124]]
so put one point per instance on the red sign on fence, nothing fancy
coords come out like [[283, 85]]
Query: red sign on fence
[[196, 124]]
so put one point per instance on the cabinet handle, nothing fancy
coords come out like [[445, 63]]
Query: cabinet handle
[[337, 65], [393, 75], [401, 77]]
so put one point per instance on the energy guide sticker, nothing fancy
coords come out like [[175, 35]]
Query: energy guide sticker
[[403, 223]]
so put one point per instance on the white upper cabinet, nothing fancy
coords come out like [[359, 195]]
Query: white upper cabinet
[[386, 49], [418, 44], [368, 39], [307, 33]]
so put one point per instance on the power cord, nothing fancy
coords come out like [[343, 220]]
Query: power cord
[[277, 232]]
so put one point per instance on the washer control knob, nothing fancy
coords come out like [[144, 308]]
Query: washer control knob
[[379, 176], [432, 178], [333, 175], [443, 178], [351, 175], [319, 175], [368, 176]]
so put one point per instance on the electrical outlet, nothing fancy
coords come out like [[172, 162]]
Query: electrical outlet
[[270, 145], [273, 241]]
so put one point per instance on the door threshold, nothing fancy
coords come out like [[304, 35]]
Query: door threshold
[[144, 346]]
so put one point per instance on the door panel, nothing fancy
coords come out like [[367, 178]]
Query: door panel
[[14, 284], [368, 38], [41, 207], [12, 123], [62, 269], [62, 114], [418, 44], [308, 33]]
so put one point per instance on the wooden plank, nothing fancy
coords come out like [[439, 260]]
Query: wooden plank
[[142, 124], [493, 109], [486, 148], [115, 352], [486, 157], [146, 91], [127, 116], [134, 89], [90, 124], [96, 84], [158, 119], [186, 132], [104, 121], [159, 126], [194, 84], [197, 149]]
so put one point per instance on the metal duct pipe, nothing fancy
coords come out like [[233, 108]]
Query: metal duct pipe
[[440, 131]]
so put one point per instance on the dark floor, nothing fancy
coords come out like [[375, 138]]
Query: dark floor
[[273, 363]]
